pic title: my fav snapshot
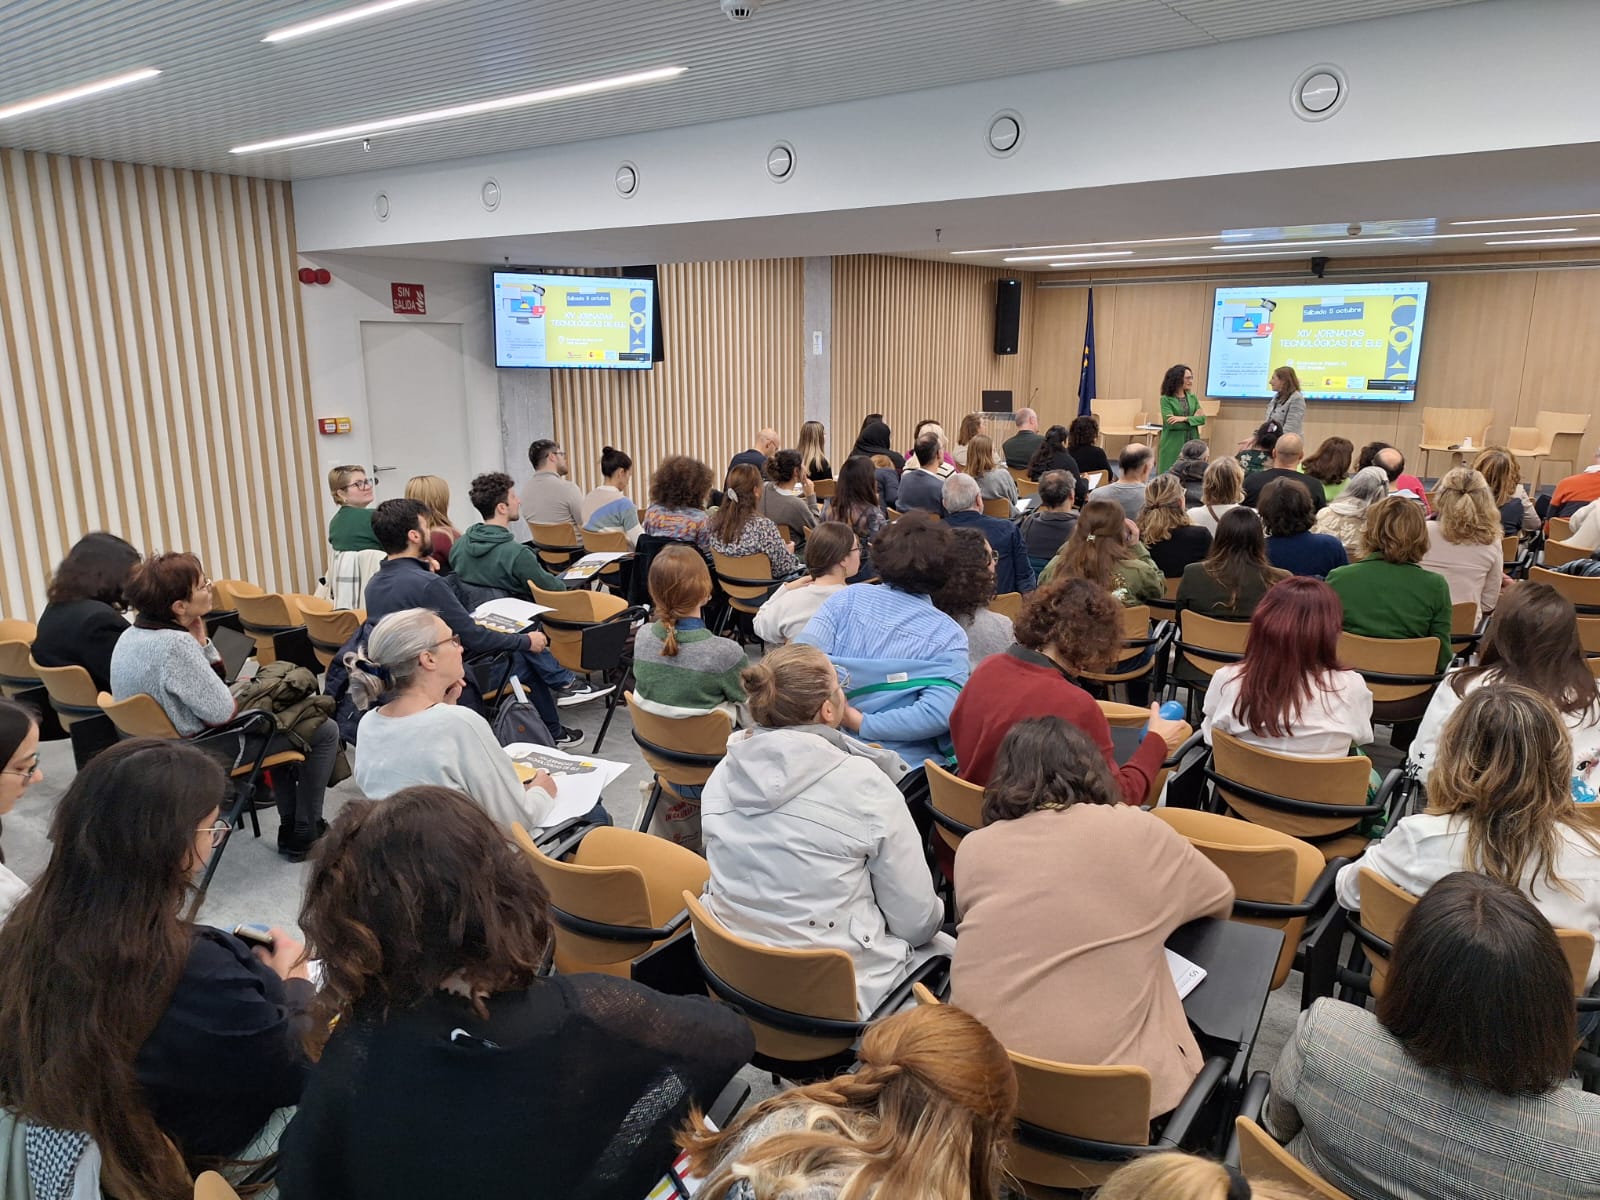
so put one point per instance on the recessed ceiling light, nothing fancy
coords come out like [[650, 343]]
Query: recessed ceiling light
[[1199, 237], [335, 19], [82, 91], [1559, 241], [1515, 220], [350, 133], [1086, 254], [1139, 262]]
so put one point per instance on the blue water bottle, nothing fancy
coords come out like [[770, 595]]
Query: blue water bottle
[[1171, 710]]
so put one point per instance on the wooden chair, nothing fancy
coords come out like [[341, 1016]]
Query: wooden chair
[[225, 593], [1136, 639], [747, 580], [1262, 1160], [1019, 475], [557, 544], [1205, 645], [682, 751], [1584, 592], [1553, 436], [1444, 428], [1007, 604], [1210, 409], [329, 631], [1027, 487], [955, 805], [615, 894], [277, 623], [998, 507], [16, 645], [1514, 556], [1321, 801], [607, 541], [824, 489], [588, 632], [1131, 716], [1464, 634], [76, 701], [1166, 608], [1118, 419], [1559, 554], [1401, 673], [208, 1185]]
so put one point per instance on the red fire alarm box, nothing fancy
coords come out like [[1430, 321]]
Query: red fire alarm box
[[409, 298], [333, 424]]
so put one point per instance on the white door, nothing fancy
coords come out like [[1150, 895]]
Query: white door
[[416, 400]]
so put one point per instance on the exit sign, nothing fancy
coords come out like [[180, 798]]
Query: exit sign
[[408, 298]]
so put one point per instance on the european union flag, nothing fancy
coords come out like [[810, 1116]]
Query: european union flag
[[1086, 387]]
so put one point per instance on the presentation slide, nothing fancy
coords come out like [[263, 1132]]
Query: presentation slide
[[1351, 341], [572, 321]]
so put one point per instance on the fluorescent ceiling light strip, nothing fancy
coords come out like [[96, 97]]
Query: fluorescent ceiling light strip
[[81, 92], [1085, 254], [1199, 237], [1410, 237], [348, 133], [1270, 245], [1545, 241], [1515, 220], [1139, 262], [335, 19]]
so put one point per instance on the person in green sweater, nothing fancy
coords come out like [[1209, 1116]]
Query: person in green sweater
[[1387, 594], [1181, 417], [1103, 550], [486, 555], [351, 527]]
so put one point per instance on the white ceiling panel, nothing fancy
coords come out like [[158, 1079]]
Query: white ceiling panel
[[221, 86]]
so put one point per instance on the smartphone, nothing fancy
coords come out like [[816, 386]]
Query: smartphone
[[256, 935]]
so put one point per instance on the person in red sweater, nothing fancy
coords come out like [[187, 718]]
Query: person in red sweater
[[1573, 492], [1064, 629]]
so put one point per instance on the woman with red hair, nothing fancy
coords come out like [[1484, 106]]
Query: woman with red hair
[[1290, 694]]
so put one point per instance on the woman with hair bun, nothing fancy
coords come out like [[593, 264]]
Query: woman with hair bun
[[927, 1113], [809, 840], [607, 507]]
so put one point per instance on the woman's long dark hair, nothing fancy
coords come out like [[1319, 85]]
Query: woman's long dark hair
[[1238, 552], [855, 492], [97, 567], [90, 957], [1533, 640], [1055, 442]]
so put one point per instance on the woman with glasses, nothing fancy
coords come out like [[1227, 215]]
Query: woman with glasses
[[420, 735], [809, 840], [123, 1021], [833, 555], [19, 748], [353, 491], [168, 656]]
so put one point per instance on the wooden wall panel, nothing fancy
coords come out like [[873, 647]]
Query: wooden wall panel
[[915, 340], [734, 358], [152, 377]]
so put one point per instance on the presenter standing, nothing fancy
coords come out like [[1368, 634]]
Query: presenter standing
[[1181, 417], [1287, 408]]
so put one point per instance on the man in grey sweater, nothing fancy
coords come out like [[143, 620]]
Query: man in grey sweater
[[1134, 464]]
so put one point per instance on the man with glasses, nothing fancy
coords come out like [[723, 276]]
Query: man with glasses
[[550, 497]]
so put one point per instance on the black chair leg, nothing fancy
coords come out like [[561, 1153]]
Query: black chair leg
[[611, 711]]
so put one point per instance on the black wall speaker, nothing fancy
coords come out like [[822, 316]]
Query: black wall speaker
[[1007, 315]]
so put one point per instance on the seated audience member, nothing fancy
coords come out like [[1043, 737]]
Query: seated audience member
[[351, 526], [1585, 528], [1499, 803], [810, 842], [203, 1053], [1053, 455], [876, 438], [1056, 953], [1393, 465], [1346, 516], [1233, 577], [678, 492], [927, 1112], [439, 1037], [1083, 438], [1330, 465], [833, 555], [946, 464], [420, 735], [1221, 490], [1504, 477], [1584, 568], [786, 497], [1175, 1176], [607, 508], [737, 527], [1286, 456], [965, 596], [1464, 541], [907, 659], [404, 581], [1049, 525], [1386, 594], [1573, 492], [964, 508], [888, 480], [1105, 549], [434, 493], [856, 503], [80, 625], [1532, 641], [1127, 492], [921, 486], [488, 554], [813, 441], [1190, 470], [766, 445], [19, 750], [1166, 531], [1064, 629], [994, 481], [168, 656], [681, 669], [1019, 449], [1469, 1050], [1255, 454], [971, 426], [1289, 694], [1286, 511], [551, 497]]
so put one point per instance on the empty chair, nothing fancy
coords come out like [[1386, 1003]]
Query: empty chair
[[1119, 418], [589, 632], [1554, 437], [277, 623], [1143, 652], [1446, 430], [76, 701], [16, 672], [329, 631], [1401, 673], [607, 541]]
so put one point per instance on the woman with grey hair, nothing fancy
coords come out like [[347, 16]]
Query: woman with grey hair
[[412, 663], [1190, 470], [1346, 516]]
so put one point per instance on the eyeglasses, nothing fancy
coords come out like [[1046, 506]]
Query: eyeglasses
[[362, 483], [27, 770], [218, 830], [454, 640]]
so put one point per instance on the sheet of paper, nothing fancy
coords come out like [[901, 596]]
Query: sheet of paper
[[508, 614], [1093, 478], [1186, 976], [579, 779], [589, 565]]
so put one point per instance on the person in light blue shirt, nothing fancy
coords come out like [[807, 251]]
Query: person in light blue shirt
[[608, 508]]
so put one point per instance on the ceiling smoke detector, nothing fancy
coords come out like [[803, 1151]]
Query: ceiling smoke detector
[[739, 10]]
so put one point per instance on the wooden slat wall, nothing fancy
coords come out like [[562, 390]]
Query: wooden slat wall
[[152, 374], [915, 340], [734, 359]]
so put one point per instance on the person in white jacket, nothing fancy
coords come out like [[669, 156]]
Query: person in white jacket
[[809, 840], [833, 554]]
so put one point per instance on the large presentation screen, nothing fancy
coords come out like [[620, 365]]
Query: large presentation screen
[[1350, 341], [572, 321]]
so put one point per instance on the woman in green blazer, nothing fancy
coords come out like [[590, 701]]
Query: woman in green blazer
[[1181, 417]]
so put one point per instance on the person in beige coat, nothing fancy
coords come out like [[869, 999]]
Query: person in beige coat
[[1066, 899], [1346, 515]]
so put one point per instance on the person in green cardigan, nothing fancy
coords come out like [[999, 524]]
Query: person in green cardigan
[[1181, 417], [351, 527], [1388, 594]]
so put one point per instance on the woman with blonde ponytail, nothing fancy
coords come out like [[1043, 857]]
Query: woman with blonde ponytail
[[927, 1114]]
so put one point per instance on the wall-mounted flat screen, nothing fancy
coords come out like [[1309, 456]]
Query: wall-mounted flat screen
[[1346, 341], [573, 321]]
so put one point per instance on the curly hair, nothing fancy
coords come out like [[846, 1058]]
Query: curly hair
[[1046, 762], [969, 584], [911, 553], [413, 891], [1286, 508], [1079, 621], [681, 482], [1396, 530]]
